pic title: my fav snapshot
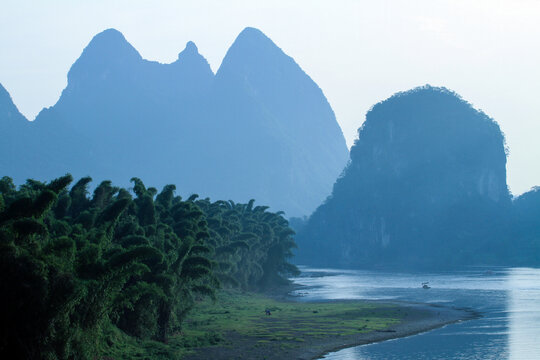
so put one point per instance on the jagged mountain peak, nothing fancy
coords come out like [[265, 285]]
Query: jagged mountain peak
[[109, 43], [190, 58], [252, 48], [107, 50], [190, 49], [251, 39], [267, 97], [265, 103], [252, 34]]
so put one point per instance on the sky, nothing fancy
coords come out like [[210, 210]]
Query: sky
[[358, 52]]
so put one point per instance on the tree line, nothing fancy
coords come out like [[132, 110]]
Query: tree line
[[140, 259]]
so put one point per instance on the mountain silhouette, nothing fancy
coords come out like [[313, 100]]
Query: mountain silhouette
[[426, 187], [9, 114], [283, 131], [17, 135], [260, 128]]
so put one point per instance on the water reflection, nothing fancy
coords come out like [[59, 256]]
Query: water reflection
[[524, 313], [508, 298]]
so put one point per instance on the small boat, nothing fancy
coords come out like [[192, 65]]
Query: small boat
[[425, 285]]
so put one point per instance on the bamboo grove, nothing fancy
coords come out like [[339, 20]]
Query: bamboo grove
[[140, 259]]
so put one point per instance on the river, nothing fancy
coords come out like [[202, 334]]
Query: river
[[507, 298]]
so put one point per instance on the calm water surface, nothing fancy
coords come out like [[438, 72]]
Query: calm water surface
[[509, 300]]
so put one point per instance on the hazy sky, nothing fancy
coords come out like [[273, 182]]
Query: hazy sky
[[359, 52]]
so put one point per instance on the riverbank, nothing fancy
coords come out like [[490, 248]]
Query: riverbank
[[305, 330], [418, 318]]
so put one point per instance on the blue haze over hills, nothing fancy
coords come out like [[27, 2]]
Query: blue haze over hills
[[259, 128], [425, 188]]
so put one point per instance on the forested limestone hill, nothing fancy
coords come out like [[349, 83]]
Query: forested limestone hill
[[426, 187]]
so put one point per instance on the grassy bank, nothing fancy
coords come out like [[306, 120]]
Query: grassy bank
[[290, 321], [236, 326]]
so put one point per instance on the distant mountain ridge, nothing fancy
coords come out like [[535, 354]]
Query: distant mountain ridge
[[9, 113], [252, 130], [13, 122]]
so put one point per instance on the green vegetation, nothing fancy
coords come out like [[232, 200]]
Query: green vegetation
[[244, 313], [237, 322], [116, 274]]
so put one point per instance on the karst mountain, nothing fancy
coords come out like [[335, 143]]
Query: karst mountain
[[425, 187], [259, 128]]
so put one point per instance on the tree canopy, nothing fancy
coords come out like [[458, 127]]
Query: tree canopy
[[137, 258]]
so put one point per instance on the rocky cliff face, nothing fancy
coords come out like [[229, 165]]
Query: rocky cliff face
[[426, 186], [253, 130]]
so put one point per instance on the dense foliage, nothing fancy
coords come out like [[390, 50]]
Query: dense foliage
[[71, 264]]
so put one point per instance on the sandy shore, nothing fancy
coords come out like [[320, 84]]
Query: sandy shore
[[416, 318]]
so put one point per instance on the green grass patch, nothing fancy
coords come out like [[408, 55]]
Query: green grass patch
[[289, 326], [244, 313]]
